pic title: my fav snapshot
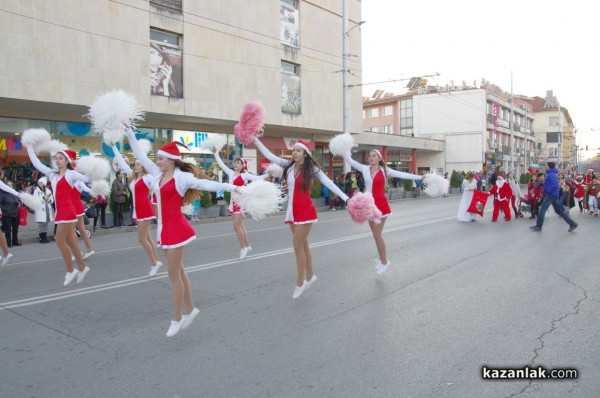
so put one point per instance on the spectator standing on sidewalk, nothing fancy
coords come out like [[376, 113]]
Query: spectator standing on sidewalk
[[101, 202], [45, 214], [10, 205], [119, 194], [551, 198]]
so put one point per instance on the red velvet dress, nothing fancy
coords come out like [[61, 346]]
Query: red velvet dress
[[176, 230], [378, 192]]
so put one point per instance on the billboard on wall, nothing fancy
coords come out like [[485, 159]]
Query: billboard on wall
[[166, 70], [289, 25], [192, 140]]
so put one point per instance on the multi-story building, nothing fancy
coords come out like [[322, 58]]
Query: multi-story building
[[455, 127], [191, 64], [554, 133]]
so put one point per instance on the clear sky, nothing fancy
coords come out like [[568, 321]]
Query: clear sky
[[547, 45]]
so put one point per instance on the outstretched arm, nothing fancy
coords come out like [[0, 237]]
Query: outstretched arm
[[330, 185], [8, 189], [121, 162], [266, 153], [141, 155], [358, 166], [187, 181], [81, 186], [38, 164], [400, 174], [253, 177]]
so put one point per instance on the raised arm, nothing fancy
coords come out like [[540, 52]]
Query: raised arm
[[266, 153], [38, 164], [141, 155], [358, 166], [254, 177], [330, 185], [8, 189], [222, 165], [121, 162], [400, 174]]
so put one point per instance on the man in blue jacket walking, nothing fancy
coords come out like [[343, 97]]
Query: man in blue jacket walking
[[551, 197]]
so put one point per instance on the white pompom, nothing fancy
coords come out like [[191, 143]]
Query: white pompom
[[35, 137], [95, 168], [29, 201], [145, 145], [52, 147], [188, 209], [435, 185], [189, 160], [274, 170], [216, 141], [113, 113], [341, 144], [259, 199], [100, 188]]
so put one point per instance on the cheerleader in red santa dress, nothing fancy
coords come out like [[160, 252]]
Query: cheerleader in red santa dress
[[79, 187], [375, 175], [174, 183], [140, 182], [63, 179], [301, 213], [239, 177]]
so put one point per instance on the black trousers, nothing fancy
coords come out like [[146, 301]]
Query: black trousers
[[10, 226], [100, 211], [118, 215]]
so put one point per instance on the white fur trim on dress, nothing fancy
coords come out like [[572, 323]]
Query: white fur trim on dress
[[341, 144]]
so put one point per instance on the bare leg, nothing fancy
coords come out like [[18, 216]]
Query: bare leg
[[300, 241], [146, 241], [62, 241], [83, 233], [240, 231], [3, 245], [179, 281], [309, 265], [377, 230]]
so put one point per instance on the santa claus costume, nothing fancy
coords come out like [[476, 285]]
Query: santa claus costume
[[502, 194], [579, 191], [171, 181], [239, 177], [301, 212], [140, 183], [63, 179]]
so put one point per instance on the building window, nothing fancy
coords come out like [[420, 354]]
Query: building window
[[389, 129], [406, 117], [289, 23], [290, 88], [388, 110], [552, 137], [553, 121], [374, 112], [375, 129], [170, 5], [364, 114], [166, 64]]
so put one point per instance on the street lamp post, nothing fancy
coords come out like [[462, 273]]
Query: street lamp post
[[346, 72]]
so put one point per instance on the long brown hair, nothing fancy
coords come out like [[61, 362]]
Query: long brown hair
[[307, 171], [192, 194]]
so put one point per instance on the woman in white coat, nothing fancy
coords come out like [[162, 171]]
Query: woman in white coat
[[45, 214], [469, 186]]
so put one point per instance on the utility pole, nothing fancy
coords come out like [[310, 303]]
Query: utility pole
[[559, 138], [510, 125]]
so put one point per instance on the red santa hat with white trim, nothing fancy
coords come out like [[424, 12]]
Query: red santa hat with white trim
[[304, 145], [171, 150], [70, 154]]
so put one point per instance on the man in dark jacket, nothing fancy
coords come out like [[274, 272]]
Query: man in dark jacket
[[119, 193], [10, 204], [551, 197]]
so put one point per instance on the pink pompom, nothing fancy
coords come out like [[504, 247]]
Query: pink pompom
[[251, 122], [362, 208]]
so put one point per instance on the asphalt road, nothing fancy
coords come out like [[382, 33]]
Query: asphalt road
[[457, 297]]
